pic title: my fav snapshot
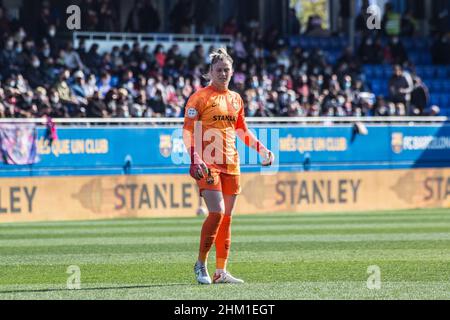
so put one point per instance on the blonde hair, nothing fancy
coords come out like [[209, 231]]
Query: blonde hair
[[215, 56]]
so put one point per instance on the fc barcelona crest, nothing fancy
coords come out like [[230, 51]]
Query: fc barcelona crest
[[165, 145]]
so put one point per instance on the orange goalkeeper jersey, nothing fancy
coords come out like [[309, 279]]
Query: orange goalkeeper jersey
[[215, 115]]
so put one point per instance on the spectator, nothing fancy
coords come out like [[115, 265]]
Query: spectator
[[396, 52], [5, 23], [440, 50], [71, 58], [108, 19], [294, 26], [135, 19], [196, 57], [230, 27], [181, 16], [96, 107], [79, 88], [391, 23], [93, 60], [64, 92], [408, 24], [370, 52], [419, 96], [401, 86], [104, 85], [205, 22]]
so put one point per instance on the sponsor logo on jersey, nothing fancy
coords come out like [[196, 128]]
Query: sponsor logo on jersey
[[225, 118]]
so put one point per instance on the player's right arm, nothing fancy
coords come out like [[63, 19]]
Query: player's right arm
[[192, 135]]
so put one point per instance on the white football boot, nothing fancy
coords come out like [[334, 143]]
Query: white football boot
[[226, 277], [201, 273]]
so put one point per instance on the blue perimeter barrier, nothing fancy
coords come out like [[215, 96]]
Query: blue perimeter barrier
[[159, 150]]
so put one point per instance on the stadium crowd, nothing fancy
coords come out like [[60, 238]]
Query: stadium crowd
[[44, 75]]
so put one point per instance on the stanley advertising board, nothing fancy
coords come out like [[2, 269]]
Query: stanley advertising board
[[105, 197]]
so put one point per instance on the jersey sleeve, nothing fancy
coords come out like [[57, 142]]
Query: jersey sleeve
[[192, 111], [244, 133], [240, 123], [192, 114]]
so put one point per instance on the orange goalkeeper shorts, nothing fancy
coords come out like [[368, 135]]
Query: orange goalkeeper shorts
[[218, 181]]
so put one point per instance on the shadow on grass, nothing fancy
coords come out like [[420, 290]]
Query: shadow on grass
[[96, 288]]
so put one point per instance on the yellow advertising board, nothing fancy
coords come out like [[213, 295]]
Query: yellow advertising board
[[105, 197]]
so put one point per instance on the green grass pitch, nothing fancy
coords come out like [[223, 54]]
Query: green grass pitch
[[280, 256]]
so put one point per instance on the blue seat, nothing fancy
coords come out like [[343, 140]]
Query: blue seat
[[426, 58], [324, 44], [445, 101], [304, 42], [414, 57], [314, 43], [376, 87], [378, 72], [335, 43], [408, 43], [387, 71], [420, 44], [114, 81], [368, 72], [441, 72], [420, 71], [435, 99], [436, 86], [446, 85], [429, 71]]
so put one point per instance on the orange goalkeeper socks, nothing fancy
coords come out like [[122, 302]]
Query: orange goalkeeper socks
[[223, 242], [208, 236]]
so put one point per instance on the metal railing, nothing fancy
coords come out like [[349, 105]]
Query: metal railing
[[166, 37], [251, 120]]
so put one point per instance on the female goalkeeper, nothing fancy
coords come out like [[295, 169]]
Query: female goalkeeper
[[214, 117]]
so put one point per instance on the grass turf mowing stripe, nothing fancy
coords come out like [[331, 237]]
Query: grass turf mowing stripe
[[420, 215], [282, 254], [240, 256], [237, 246], [253, 272], [254, 291], [101, 241], [237, 227]]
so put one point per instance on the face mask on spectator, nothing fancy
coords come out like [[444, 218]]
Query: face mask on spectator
[[36, 63], [28, 99], [19, 49], [52, 32], [54, 99], [22, 34], [9, 45], [46, 53]]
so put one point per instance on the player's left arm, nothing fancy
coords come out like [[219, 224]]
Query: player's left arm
[[250, 140]]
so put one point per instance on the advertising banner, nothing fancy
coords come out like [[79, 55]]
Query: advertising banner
[[130, 196]]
